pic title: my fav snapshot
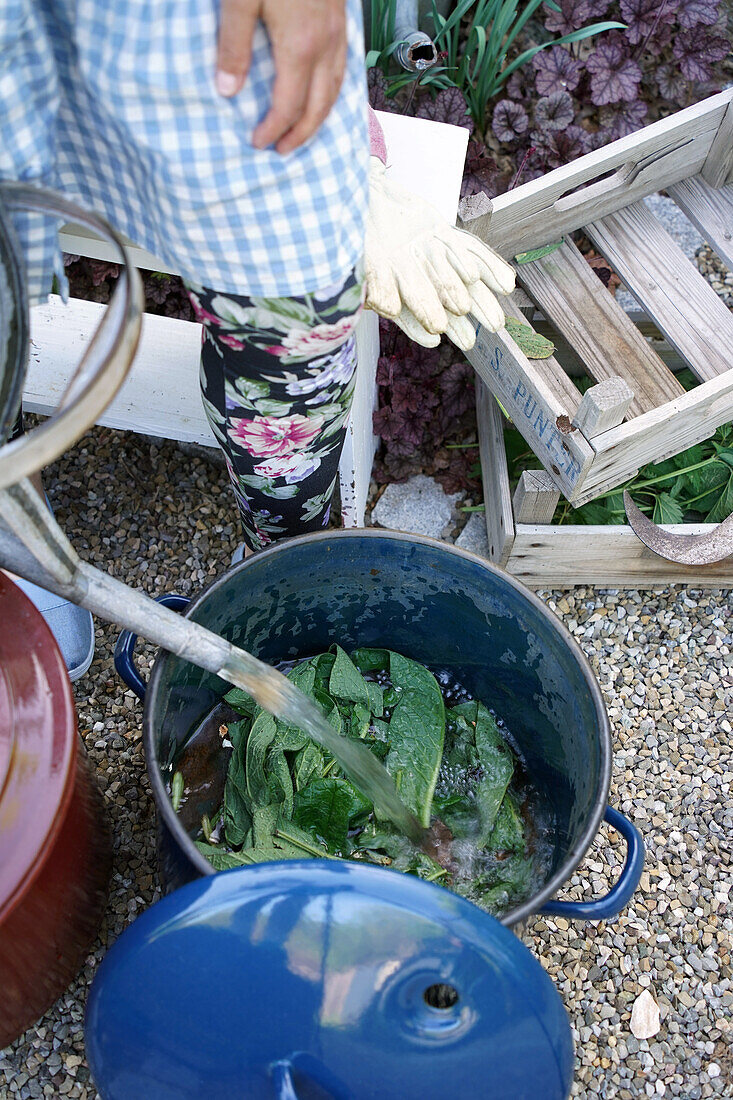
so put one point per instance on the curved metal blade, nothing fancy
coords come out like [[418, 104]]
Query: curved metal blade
[[685, 549]]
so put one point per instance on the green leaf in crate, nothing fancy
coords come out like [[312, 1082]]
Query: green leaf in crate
[[710, 490], [666, 509], [532, 344], [537, 253]]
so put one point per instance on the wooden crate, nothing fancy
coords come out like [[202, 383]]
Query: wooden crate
[[637, 412], [527, 544]]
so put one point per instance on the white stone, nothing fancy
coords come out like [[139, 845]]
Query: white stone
[[645, 1016], [473, 537], [419, 506]]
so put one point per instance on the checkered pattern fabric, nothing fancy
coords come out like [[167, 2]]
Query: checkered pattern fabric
[[114, 105]]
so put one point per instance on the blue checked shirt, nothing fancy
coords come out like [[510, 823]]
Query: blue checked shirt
[[113, 104]]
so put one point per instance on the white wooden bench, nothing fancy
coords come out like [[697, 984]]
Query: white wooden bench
[[161, 395]]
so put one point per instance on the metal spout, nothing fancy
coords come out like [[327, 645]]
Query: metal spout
[[416, 51]]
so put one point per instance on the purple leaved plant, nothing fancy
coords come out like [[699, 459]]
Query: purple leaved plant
[[614, 75]]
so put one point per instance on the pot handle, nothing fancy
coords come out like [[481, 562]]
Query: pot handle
[[125, 648], [608, 907], [283, 1081]]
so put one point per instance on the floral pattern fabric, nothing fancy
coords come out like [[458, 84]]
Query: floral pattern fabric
[[277, 379]]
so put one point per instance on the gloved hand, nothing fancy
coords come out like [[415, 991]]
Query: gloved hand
[[423, 273]]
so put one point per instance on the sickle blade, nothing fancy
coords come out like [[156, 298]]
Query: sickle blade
[[714, 546]]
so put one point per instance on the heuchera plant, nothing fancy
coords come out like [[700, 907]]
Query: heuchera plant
[[426, 396], [571, 100]]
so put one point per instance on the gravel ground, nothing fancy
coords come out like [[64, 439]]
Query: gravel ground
[[663, 660]]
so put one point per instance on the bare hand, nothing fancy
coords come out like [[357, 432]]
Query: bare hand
[[308, 41]]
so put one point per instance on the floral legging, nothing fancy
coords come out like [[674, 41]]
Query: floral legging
[[277, 378]]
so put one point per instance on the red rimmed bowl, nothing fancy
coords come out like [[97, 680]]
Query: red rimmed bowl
[[55, 851]]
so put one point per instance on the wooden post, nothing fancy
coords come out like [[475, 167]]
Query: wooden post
[[603, 406], [718, 164], [474, 214], [535, 497], [497, 497]]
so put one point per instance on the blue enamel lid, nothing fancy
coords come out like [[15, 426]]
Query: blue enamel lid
[[313, 980]]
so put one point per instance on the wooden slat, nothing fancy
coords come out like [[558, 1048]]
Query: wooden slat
[[670, 288], [718, 164], [657, 435], [544, 420], [544, 209], [549, 370], [572, 297], [495, 475], [710, 210], [544, 556]]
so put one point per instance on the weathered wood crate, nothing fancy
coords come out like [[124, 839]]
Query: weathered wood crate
[[638, 412], [523, 539]]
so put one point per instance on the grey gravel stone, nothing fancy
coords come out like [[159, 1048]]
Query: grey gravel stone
[[420, 506], [473, 537]]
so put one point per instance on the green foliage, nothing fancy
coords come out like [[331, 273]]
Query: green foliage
[[476, 42], [286, 798], [478, 60]]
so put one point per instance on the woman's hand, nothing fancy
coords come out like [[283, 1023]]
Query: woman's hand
[[308, 41]]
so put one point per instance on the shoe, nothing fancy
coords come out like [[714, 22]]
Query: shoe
[[238, 554], [72, 626]]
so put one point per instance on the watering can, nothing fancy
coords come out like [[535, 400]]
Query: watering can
[[309, 980]]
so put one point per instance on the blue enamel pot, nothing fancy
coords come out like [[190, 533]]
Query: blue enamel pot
[[441, 606]]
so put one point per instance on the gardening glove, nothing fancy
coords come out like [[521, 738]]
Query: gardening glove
[[421, 272]]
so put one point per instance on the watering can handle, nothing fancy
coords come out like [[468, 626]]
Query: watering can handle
[[608, 907], [125, 648], [106, 360]]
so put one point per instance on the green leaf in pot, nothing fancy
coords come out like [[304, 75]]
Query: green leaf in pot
[[324, 808], [224, 861], [307, 765], [496, 762], [376, 698], [507, 835], [371, 660], [237, 816], [260, 738], [346, 682], [279, 779], [241, 701], [458, 812], [417, 733]]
